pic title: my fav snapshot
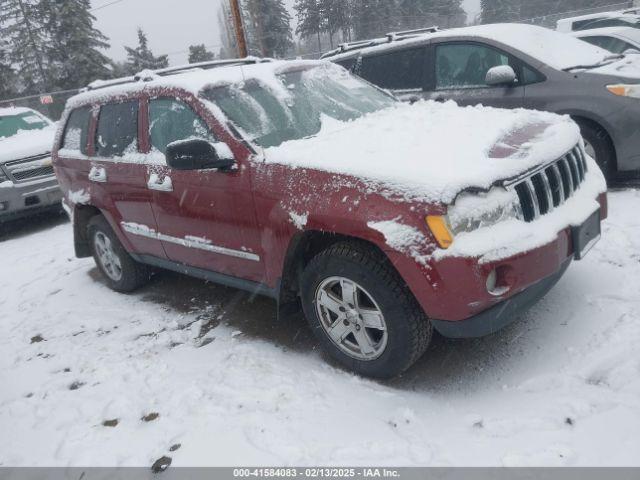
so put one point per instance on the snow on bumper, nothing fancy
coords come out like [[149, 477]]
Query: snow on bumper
[[513, 237]]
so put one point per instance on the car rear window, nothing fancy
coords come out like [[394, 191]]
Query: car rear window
[[117, 132], [76, 131], [10, 125]]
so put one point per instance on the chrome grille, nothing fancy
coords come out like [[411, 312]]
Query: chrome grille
[[547, 188], [30, 168]]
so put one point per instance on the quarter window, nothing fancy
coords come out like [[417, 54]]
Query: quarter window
[[401, 70], [76, 131], [117, 133], [171, 120], [463, 65]]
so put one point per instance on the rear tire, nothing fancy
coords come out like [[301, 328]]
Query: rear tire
[[121, 272], [601, 146], [383, 331]]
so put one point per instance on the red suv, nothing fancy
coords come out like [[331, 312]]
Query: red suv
[[298, 181]]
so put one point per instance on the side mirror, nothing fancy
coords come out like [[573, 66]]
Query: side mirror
[[198, 154], [501, 75]]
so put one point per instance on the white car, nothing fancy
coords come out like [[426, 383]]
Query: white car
[[614, 39], [628, 17], [27, 181]]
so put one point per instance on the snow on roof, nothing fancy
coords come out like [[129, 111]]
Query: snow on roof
[[430, 151], [193, 81], [10, 111], [555, 49]]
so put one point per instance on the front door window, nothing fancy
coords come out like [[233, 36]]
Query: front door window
[[465, 65]]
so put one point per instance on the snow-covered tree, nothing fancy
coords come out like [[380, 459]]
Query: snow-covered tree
[[310, 16], [74, 50], [267, 25], [23, 27], [373, 18], [7, 76], [141, 58], [199, 53]]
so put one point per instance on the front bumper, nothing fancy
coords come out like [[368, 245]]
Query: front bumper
[[23, 199], [502, 314]]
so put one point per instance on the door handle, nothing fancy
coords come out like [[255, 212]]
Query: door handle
[[98, 174], [162, 185]]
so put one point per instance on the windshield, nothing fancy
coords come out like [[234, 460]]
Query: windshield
[[12, 124], [271, 115]]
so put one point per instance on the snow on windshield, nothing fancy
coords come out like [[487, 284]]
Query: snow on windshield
[[294, 109]]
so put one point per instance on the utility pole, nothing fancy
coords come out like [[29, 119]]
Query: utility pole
[[237, 23]]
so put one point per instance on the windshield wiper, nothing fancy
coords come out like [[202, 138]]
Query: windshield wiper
[[609, 59]]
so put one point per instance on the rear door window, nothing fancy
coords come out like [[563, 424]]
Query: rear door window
[[400, 70], [171, 120], [76, 131], [117, 133]]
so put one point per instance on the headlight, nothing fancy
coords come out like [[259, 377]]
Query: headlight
[[621, 90], [473, 211]]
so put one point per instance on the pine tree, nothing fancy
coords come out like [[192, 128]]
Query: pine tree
[[74, 49], [268, 27], [22, 25], [496, 11], [141, 58], [338, 17], [373, 18], [7, 76], [199, 53], [310, 16]]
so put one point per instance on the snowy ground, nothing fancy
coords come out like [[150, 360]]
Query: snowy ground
[[231, 386]]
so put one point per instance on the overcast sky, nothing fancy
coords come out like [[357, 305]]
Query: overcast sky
[[171, 25]]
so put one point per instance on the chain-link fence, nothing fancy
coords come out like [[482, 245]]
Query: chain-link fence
[[49, 104]]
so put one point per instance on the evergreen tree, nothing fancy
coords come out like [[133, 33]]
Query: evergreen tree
[[199, 53], [496, 11], [73, 52], [268, 27], [373, 18], [310, 16], [338, 17], [141, 58], [7, 76], [22, 26]]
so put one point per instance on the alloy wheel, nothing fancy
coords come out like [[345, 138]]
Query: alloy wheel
[[351, 318], [108, 258]]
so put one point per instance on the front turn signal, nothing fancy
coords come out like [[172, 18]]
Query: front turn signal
[[440, 229]]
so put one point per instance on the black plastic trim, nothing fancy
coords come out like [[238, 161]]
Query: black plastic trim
[[220, 278], [502, 314]]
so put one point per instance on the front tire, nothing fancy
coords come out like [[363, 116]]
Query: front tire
[[121, 272], [362, 312], [598, 145]]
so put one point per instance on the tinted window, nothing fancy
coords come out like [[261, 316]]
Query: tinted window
[[611, 44], [465, 65], [398, 70], [117, 129], [76, 130], [171, 120]]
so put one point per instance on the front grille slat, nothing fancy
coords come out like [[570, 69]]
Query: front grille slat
[[30, 168], [551, 186]]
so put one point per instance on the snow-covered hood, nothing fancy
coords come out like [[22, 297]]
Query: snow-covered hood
[[626, 68], [432, 151], [26, 143]]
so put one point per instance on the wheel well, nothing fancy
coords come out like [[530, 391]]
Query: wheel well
[[301, 250], [595, 125], [81, 216]]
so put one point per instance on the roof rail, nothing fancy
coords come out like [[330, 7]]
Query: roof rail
[[388, 38], [148, 75], [409, 33]]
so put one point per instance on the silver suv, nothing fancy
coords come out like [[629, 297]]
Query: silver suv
[[27, 181], [514, 66]]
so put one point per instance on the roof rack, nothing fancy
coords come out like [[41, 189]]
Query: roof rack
[[388, 38], [148, 75]]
